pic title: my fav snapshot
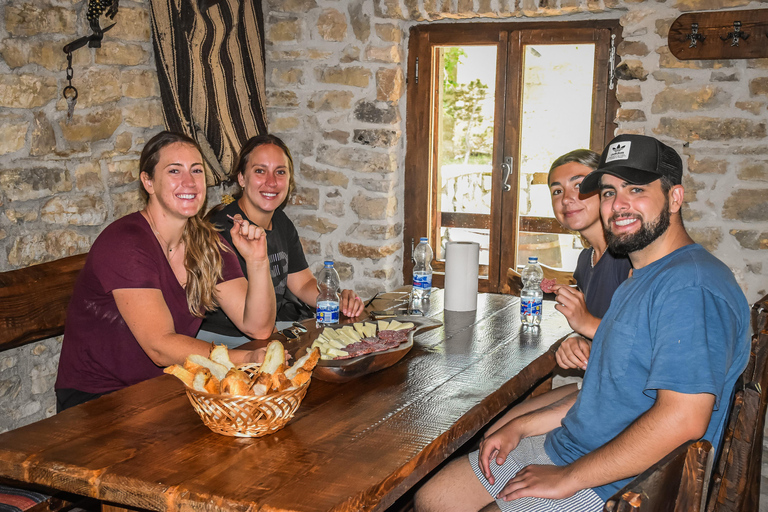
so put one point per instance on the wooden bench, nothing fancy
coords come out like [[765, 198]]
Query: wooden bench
[[33, 300], [735, 483], [33, 307]]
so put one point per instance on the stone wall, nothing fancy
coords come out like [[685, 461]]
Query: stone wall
[[336, 93], [336, 72], [62, 183]]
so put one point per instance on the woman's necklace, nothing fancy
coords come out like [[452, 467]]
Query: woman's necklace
[[168, 247], [592, 258]]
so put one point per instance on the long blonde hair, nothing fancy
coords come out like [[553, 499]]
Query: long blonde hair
[[201, 240]]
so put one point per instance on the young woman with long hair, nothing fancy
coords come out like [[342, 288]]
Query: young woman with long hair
[[264, 171], [598, 272], [151, 276]]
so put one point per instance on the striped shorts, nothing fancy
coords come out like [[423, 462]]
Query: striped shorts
[[531, 451]]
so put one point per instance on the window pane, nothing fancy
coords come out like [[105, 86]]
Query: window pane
[[465, 128], [557, 251], [481, 236], [556, 118]]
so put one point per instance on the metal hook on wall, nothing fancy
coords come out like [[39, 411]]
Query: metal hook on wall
[[736, 35], [694, 36], [95, 9]]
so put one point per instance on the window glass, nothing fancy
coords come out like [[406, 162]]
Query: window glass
[[557, 87], [465, 128]]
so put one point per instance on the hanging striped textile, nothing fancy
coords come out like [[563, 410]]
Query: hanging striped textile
[[210, 66]]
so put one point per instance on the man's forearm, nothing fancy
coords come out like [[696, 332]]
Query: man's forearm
[[547, 418], [673, 420]]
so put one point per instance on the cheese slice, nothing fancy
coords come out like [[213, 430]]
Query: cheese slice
[[393, 325], [344, 338], [405, 325], [337, 343], [370, 330], [383, 325], [337, 352], [360, 328]]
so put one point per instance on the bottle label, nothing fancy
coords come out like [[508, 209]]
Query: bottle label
[[327, 312], [422, 281], [530, 307]]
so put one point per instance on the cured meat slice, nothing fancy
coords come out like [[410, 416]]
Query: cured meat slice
[[385, 340], [399, 336], [360, 348]]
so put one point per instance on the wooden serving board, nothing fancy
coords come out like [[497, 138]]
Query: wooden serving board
[[344, 370], [716, 25]]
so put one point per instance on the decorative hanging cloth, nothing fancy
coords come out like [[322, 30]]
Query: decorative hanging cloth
[[210, 65]]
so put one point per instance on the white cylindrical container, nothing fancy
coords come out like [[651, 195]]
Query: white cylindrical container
[[462, 262]]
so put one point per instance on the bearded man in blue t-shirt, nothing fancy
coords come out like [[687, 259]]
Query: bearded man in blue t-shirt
[[662, 370]]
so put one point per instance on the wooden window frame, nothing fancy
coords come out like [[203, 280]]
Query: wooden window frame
[[420, 214]]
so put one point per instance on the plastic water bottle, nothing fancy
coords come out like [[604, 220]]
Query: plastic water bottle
[[328, 299], [422, 271], [531, 296]]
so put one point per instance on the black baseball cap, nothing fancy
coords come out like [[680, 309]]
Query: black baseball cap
[[637, 159]]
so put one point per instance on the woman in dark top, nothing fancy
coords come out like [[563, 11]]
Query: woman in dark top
[[151, 276], [598, 273], [264, 171]]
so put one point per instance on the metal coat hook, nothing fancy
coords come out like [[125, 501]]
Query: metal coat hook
[[95, 9], [694, 36], [70, 91], [93, 40], [736, 35]]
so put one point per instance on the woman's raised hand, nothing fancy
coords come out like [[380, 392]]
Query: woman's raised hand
[[249, 239], [351, 305], [572, 304]]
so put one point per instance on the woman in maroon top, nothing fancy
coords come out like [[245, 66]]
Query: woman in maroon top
[[151, 276]]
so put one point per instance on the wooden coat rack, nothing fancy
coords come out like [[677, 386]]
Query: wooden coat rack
[[720, 35]]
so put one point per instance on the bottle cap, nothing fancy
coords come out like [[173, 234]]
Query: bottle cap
[[533, 259], [328, 263], [424, 239]]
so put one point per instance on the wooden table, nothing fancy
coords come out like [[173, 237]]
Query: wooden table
[[353, 446]]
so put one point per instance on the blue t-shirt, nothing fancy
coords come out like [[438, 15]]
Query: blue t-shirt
[[680, 324], [598, 283]]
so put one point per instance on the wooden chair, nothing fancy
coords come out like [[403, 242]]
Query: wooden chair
[[736, 481], [560, 276], [514, 283], [677, 483]]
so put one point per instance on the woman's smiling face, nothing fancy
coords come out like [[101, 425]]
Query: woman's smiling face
[[178, 180], [266, 178], [572, 210]]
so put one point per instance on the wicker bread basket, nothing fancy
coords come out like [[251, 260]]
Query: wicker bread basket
[[247, 416]]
